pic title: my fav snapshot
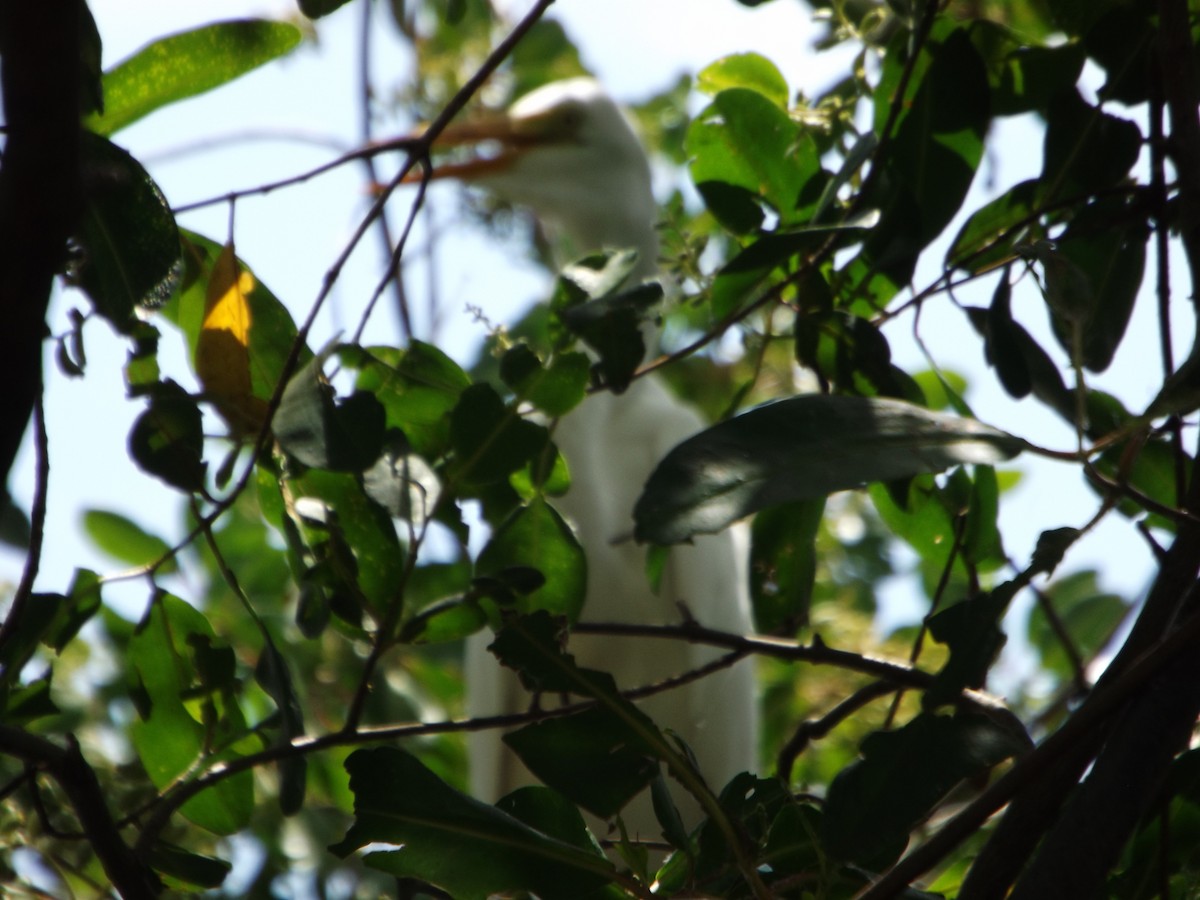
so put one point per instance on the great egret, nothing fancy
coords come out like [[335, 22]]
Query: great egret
[[567, 152]]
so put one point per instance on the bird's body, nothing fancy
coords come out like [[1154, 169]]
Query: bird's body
[[575, 161]]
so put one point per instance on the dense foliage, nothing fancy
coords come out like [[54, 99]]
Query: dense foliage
[[296, 696]]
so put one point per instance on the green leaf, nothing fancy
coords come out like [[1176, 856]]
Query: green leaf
[[186, 64], [418, 387], [37, 618], [537, 536], [1086, 149], [793, 846], [971, 629], [167, 440], [345, 521], [561, 752], [186, 867], [272, 330], [993, 231], [490, 440], [783, 564], [745, 70], [847, 351], [127, 233], [746, 149], [1089, 616], [590, 757], [592, 303], [1025, 77], [936, 146], [1124, 43], [549, 812], [169, 740], [467, 848], [83, 601], [920, 513], [555, 389], [1020, 361], [1111, 263], [403, 483], [125, 540], [309, 426], [314, 9], [15, 528], [452, 620], [874, 803], [802, 448], [273, 676], [28, 702], [981, 543]]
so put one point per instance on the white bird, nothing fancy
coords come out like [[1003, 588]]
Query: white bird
[[567, 152]]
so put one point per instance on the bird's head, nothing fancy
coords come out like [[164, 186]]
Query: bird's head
[[567, 151]]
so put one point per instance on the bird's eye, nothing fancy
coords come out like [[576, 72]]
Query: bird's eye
[[571, 117]]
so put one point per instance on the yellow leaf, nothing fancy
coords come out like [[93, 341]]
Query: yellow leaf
[[223, 348]]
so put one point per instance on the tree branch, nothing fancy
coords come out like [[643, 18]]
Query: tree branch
[[128, 874]]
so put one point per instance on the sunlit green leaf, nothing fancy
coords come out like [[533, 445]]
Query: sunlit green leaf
[[744, 70], [125, 540], [744, 146], [536, 535], [272, 331], [417, 386], [169, 739], [186, 64]]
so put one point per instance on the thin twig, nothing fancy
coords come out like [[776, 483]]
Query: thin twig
[[366, 121]]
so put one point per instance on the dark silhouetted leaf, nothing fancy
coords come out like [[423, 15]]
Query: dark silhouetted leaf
[[445, 838], [341, 437], [971, 629], [191, 869], [490, 440], [590, 757], [589, 300], [127, 235], [167, 439], [802, 448], [273, 676], [992, 232], [874, 803], [783, 564], [1086, 148]]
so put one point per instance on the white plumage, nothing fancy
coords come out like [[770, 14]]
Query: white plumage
[[567, 151]]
